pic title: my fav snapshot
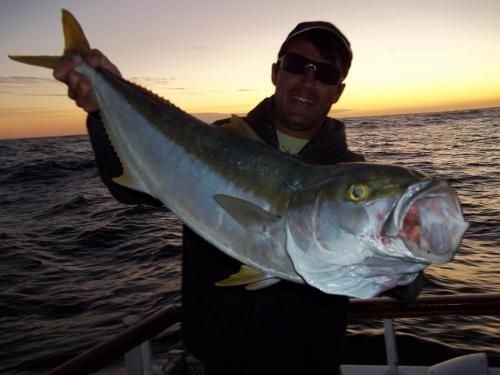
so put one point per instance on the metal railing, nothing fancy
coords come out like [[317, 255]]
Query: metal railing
[[460, 305], [99, 356], [377, 308]]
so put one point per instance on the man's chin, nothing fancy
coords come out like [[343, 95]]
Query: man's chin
[[299, 122]]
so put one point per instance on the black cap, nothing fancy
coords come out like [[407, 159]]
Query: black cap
[[339, 40]]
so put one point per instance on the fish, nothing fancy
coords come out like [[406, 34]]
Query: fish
[[355, 229]]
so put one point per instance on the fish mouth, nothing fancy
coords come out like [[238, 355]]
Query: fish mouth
[[428, 220]]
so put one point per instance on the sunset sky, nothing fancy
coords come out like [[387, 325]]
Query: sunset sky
[[214, 56]]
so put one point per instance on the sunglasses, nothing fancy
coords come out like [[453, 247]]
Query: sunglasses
[[297, 64]]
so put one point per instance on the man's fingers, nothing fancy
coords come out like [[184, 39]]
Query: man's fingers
[[97, 59], [84, 89], [84, 96], [80, 90], [73, 79], [63, 68], [79, 87], [88, 104]]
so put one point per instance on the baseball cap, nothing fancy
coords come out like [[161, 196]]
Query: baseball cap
[[338, 39]]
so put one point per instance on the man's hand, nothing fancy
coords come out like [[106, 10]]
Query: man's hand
[[79, 88], [407, 293]]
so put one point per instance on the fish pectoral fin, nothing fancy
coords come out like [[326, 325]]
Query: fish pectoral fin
[[246, 213], [263, 283], [250, 277], [76, 43]]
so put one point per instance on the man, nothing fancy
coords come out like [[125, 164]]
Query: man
[[286, 328]]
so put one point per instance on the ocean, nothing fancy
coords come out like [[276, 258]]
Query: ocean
[[74, 262]]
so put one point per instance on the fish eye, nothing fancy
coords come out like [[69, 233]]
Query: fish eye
[[357, 192]]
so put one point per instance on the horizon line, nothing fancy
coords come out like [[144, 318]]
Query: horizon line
[[220, 115]]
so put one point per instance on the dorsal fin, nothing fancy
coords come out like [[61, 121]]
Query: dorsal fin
[[240, 128]]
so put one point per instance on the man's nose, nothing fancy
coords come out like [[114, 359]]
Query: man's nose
[[309, 76]]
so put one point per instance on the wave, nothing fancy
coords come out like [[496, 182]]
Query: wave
[[73, 261], [43, 170]]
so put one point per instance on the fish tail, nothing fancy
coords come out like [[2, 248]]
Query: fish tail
[[75, 43]]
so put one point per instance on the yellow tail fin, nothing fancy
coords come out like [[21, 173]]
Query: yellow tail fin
[[75, 43]]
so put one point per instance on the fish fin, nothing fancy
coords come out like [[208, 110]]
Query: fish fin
[[263, 284], [128, 180], [250, 277], [75, 43], [246, 213], [240, 128], [43, 61]]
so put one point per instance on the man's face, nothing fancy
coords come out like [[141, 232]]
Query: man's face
[[301, 101]]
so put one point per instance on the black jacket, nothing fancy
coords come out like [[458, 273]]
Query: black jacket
[[283, 329]]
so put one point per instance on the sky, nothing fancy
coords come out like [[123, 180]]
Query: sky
[[213, 57]]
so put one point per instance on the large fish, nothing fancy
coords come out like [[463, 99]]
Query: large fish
[[354, 229]]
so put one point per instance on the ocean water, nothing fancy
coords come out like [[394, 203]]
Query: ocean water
[[74, 262]]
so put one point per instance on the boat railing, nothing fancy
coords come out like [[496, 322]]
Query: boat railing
[[377, 308]]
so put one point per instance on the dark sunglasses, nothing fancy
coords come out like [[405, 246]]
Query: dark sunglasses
[[298, 64]]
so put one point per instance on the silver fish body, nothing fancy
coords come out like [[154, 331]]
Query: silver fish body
[[337, 228]]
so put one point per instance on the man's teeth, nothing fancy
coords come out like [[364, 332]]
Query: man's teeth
[[303, 99]]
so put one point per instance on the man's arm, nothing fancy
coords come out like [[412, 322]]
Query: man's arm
[[407, 293]]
